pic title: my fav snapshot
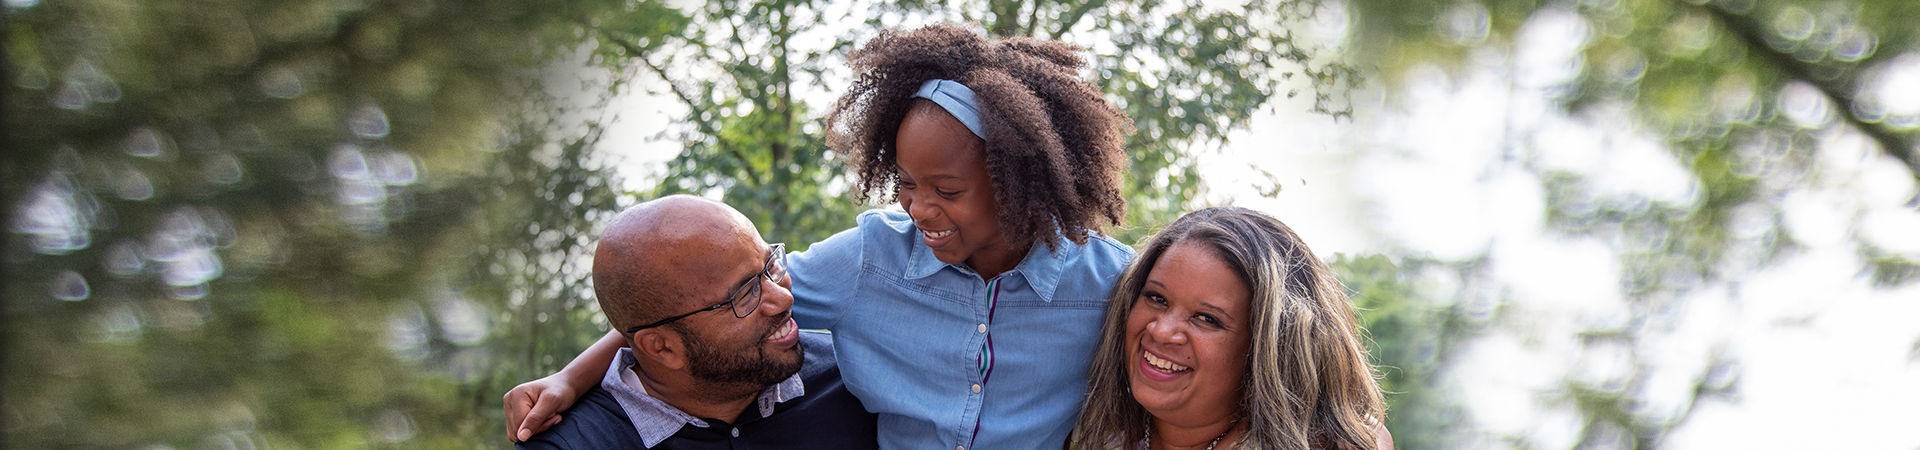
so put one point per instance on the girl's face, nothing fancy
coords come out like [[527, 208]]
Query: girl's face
[[1188, 337], [944, 185]]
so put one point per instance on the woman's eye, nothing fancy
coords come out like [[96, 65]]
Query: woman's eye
[[948, 194], [1208, 319], [1156, 299]]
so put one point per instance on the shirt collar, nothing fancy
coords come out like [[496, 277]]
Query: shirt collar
[[656, 420], [1041, 267]]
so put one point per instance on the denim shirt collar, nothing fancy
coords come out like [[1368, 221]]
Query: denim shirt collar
[[1041, 267]]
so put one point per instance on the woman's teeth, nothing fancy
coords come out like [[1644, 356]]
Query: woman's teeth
[[936, 234], [1164, 365]]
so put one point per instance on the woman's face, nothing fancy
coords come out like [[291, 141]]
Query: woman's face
[[944, 185], [1187, 336]]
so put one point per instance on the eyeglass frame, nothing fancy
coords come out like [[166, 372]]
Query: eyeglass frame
[[779, 253]]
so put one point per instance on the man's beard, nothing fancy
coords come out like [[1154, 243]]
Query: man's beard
[[747, 366]]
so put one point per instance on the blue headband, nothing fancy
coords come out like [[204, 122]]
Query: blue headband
[[957, 100]]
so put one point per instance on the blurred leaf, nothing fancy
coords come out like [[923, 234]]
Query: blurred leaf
[[1742, 93], [249, 224]]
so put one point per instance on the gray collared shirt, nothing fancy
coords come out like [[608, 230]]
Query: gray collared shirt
[[656, 420]]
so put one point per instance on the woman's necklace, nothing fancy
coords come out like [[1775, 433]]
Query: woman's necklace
[[1148, 440]]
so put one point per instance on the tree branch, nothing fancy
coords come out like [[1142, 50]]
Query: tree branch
[[783, 34], [693, 108], [1073, 16], [1006, 17], [1033, 19], [1836, 89]]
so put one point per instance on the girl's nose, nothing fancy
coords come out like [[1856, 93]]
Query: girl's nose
[[920, 211]]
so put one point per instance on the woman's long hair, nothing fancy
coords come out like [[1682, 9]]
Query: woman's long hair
[[1308, 382]]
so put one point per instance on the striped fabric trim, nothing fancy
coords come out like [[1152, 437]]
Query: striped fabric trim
[[986, 350]]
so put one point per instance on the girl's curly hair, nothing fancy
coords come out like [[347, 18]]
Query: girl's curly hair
[[1056, 153]]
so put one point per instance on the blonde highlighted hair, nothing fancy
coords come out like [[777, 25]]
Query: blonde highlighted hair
[[1308, 383]]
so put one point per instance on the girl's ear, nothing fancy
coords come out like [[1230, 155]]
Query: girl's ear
[[664, 348]]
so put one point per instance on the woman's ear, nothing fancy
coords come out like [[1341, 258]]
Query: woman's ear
[[662, 347]]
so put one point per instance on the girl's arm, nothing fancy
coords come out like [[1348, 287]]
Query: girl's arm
[[823, 276], [532, 406]]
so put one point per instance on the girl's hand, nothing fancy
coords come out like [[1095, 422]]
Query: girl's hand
[[532, 406]]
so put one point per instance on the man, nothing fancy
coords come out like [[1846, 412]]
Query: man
[[713, 358]]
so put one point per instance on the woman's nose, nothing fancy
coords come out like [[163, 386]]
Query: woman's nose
[[1166, 329]]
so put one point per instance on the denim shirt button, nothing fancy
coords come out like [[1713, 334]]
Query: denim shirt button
[[880, 281]]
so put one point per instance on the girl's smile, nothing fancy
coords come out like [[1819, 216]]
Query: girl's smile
[[945, 187]]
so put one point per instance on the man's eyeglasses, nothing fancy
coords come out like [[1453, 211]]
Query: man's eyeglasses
[[744, 298]]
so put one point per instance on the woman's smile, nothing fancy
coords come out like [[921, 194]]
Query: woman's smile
[[1160, 371], [1162, 365], [1188, 329]]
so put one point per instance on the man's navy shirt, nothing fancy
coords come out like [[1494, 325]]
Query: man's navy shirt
[[826, 417]]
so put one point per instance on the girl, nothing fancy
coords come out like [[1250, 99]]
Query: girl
[[969, 320]]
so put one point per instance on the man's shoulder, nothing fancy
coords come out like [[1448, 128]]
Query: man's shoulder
[[595, 421], [827, 416], [817, 345]]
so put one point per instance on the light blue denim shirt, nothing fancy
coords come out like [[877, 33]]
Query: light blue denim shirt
[[949, 360]]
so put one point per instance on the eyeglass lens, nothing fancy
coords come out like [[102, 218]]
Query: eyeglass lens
[[774, 271]]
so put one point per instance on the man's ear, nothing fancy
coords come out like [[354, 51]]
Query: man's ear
[[662, 347]]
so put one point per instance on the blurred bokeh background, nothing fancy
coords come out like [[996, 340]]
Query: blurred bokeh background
[[1593, 224]]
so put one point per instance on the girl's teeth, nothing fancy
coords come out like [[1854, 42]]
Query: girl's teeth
[[938, 234]]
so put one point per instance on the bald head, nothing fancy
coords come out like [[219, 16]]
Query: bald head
[[660, 257]]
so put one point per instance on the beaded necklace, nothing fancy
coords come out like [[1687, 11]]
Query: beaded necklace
[[1148, 440]]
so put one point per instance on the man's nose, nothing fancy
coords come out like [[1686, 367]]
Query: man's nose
[[776, 299]]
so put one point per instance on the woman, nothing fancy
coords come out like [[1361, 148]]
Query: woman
[[1227, 331]]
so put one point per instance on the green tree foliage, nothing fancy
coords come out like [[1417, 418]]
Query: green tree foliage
[[748, 137], [1408, 333], [1704, 74], [1742, 92], [351, 224], [1186, 73], [250, 224], [548, 203]]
